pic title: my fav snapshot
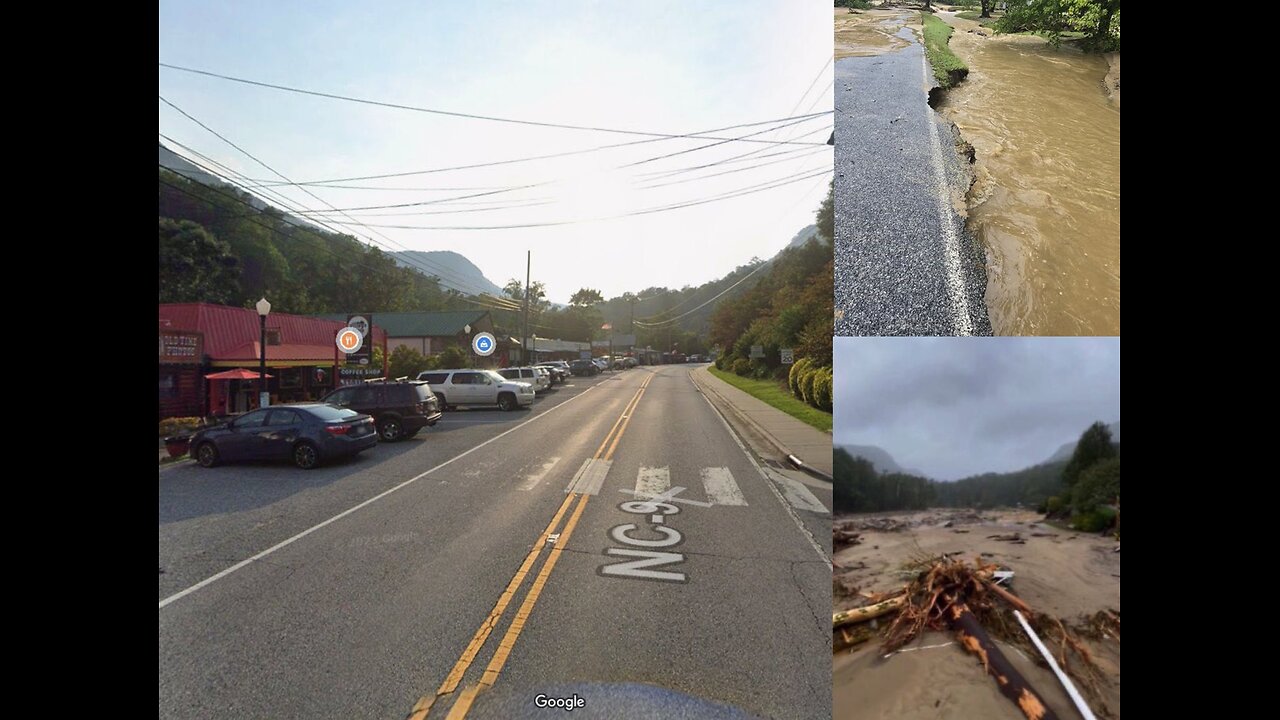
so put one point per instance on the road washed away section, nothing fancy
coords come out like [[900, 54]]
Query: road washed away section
[[905, 264]]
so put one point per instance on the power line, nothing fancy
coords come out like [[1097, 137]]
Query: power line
[[648, 211], [718, 143], [808, 153], [273, 170], [668, 321], [817, 98], [433, 111], [317, 243], [414, 262], [409, 261], [567, 153]]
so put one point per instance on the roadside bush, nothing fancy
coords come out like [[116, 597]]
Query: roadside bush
[[822, 389], [798, 370], [452, 357], [854, 4], [720, 361], [741, 366], [807, 385], [173, 426], [1053, 505], [781, 372], [760, 369], [1095, 520]]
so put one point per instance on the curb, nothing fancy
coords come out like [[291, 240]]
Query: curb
[[796, 462]]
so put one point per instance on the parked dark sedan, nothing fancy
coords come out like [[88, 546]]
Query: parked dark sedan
[[584, 367], [307, 433]]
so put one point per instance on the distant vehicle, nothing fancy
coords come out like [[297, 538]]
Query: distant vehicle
[[601, 363], [630, 362], [455, 388], [307, 433], [529, 375], [584, 367], [559, 370], [399, 409]]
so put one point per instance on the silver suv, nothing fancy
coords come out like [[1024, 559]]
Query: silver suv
[[455, 388], [539, 378]]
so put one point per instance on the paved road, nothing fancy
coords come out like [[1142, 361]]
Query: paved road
[[714, 590], [905, 264]]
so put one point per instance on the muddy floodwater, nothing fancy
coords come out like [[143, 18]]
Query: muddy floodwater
[[1046, 203], [866, 33]]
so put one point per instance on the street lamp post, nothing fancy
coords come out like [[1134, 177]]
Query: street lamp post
[[264, 397]]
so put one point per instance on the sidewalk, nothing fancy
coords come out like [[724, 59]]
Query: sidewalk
[[786, 434]]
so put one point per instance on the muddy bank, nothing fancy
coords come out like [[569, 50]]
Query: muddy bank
[[1112, 81], [1061, 573]]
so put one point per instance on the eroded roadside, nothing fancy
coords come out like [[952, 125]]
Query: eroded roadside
[[905, 262]]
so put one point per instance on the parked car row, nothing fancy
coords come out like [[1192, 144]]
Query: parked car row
[[353, 418], [348, 420]]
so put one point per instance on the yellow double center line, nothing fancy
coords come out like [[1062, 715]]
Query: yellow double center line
[[450, 684]]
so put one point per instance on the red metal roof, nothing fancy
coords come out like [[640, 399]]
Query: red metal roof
[[232, 333]]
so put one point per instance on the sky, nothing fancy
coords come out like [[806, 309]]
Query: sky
[[955, 407], [668, 67]]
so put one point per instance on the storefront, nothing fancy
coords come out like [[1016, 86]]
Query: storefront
[[182, 385], [302, 357]]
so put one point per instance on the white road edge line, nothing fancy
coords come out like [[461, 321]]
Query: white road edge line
[[767, 480], [950, 243], [284, 543]]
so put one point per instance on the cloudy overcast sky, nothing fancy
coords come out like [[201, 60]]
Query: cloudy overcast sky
[[954, 407], [664, 66]]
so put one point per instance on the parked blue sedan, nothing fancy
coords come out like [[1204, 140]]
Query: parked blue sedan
[[307, 433]]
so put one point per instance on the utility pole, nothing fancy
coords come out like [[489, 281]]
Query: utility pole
[[524, 346], [632, 327]]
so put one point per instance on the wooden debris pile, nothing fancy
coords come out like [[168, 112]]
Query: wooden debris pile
[[961, 598], [842, 538]]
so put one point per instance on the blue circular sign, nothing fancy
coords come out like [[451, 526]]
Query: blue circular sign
[[483, 343]]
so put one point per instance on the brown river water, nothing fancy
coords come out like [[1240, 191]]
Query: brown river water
[[1046, 203]]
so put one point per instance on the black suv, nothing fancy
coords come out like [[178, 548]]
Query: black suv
[[399, 409], [584, 367]]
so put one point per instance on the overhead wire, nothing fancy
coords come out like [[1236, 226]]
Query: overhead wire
[[273, 170]]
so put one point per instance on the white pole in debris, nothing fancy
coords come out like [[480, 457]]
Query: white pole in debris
[[1062, 677]]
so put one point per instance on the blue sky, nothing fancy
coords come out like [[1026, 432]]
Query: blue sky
[[954, 407], [668, 67]]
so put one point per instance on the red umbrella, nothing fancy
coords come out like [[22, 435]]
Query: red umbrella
[[237, 374]]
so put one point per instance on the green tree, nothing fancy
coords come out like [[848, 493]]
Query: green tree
[[1099, 485], [451, 358], [195, 266], [1099, 20], [407, 361], [299, 268], [826, 214], [1094, 446], [585, 297]]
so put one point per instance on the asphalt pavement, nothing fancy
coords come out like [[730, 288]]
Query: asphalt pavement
[[905, 263], [616, 540]]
